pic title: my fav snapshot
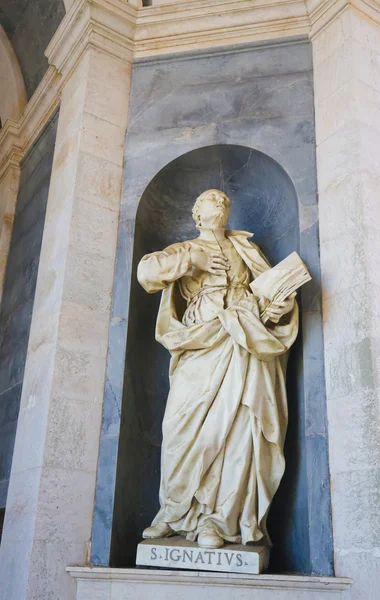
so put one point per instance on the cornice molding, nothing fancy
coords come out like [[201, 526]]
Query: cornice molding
[[108, 25], [201, 24], [324, 12], [237, 581], [16, 137]]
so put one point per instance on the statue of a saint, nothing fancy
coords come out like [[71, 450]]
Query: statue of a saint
[[226, 414]]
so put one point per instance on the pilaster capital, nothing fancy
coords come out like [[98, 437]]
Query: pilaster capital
[[16, 137], [108, 25], [323, 12]]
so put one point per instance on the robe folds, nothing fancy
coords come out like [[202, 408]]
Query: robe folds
[[226, 414]]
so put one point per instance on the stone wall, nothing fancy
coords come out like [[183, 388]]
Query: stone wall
[[19, 287]]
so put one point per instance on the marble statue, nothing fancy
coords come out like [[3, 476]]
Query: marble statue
[[226, 414]]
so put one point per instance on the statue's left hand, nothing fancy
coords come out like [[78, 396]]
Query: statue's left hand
[[276, 310]]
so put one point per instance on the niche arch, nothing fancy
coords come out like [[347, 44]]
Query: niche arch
[[265, 202], [13, 95]]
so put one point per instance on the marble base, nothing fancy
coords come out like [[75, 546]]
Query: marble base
[[178, 553]]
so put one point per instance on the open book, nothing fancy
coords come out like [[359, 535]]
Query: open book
[[279, 282]]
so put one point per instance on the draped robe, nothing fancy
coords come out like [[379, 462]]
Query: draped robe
[[226, 414]]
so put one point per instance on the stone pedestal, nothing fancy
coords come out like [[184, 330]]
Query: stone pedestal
[[178, 553]]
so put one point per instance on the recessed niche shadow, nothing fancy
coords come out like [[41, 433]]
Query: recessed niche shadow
[[265, 203]]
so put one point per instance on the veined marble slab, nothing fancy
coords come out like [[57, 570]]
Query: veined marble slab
[[178, 553]]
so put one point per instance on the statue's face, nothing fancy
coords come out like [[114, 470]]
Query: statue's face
[[213, 212]]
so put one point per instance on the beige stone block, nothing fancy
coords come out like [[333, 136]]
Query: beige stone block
[[3, 264], [102, 139], [329, 40], [363, 567], [353, 432], [370, 194], [138, 584], [369, 143], [373, 254], [348, 204], [159, 2], [73, 101], [108, 88], [334, 71], [367, 104], [94, 229], [88, 280], [350, 369], [346, 317], [350, 60], [373, 290], [50, 283], [9, 185], [353, 100], [348, 252], [66, 152], [364, 30], [83, 329], [86, 591], [79, 376], [21, 506], [367, 65], [376, 352], [356, 506], [338, 157], [341, 207], [72, 440], [75, 86], [6, 232], [32, 418], [44, 328], [200, 592], [352, 149], [65, 505], [48, 579], [98, 181]]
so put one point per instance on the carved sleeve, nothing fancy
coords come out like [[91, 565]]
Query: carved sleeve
[[157, 270]]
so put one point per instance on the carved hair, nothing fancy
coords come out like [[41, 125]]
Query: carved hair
[[221, 199]]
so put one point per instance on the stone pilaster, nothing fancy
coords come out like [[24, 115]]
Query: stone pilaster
[[346, 42], [52, 486], [9, 183]]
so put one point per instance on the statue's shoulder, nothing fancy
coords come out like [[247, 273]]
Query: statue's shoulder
[[176, 247], [239, 233]]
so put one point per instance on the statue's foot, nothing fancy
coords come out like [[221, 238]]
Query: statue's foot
[[208, 538], [161, 530]]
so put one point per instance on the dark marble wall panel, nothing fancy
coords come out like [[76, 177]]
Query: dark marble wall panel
[[259, 97], [30, 25], [19, 287]]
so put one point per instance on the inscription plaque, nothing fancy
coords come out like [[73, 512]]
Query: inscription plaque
[[178, 553]]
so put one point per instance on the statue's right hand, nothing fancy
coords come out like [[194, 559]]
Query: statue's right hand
[[214, 263]]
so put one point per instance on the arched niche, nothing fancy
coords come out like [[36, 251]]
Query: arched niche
[[264, 201], [13, 93]]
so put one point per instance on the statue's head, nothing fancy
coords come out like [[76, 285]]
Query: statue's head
[[212, 209]]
